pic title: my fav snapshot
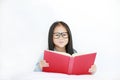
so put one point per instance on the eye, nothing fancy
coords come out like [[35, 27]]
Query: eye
[[65, 34], [56, 34]]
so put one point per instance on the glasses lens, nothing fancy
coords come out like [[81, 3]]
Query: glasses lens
[[64, 35], [56, 35]]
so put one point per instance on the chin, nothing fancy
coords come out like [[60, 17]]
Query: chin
[[61, 46]]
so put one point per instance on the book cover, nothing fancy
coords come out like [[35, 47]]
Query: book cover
[[60, 62]]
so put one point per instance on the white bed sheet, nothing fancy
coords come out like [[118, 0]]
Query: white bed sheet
[[58, 76]]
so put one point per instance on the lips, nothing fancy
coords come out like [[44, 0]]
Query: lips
[[61, 42]]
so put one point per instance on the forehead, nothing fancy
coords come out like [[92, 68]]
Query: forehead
[[60, 28]]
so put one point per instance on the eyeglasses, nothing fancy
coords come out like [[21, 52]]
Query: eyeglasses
[[57, 35]]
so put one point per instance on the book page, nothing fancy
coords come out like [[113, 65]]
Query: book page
[[62, 53], [78, 54]]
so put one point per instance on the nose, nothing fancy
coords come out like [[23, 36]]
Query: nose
[[60, 37]]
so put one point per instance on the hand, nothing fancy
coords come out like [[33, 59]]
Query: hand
[[43, 63], [92, 69]]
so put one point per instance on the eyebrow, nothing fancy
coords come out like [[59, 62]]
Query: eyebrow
[[59, 32]]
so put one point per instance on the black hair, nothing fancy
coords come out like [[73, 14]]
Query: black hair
[[69, 46]]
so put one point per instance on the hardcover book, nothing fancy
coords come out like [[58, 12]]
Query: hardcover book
[[76, 64]]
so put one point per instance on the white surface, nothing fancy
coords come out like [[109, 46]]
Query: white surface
[[58, 76], [24, 25]]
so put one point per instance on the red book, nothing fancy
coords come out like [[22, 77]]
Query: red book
[[60, 62]]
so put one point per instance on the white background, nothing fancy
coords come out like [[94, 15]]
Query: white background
[[24, 25]]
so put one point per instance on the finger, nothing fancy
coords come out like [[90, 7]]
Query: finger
[[92, 66], [90, 70], [42, 61], [45, 65]]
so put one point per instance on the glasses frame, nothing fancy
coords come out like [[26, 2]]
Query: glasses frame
[[60, 34]]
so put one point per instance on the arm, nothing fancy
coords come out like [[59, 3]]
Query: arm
[[37, 67], [40, 64]]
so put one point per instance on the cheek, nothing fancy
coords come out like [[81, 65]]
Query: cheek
[[55, 41], [66, 41]]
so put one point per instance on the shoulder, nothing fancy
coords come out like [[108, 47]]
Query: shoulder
[[74, 51]]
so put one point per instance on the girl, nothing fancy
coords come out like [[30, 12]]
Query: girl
[[59, 39]]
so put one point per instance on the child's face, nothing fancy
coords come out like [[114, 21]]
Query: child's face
[[60, 37]]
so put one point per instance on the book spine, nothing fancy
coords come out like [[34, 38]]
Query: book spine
[[70, 67]]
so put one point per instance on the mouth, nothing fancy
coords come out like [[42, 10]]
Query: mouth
[[61, 42]]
